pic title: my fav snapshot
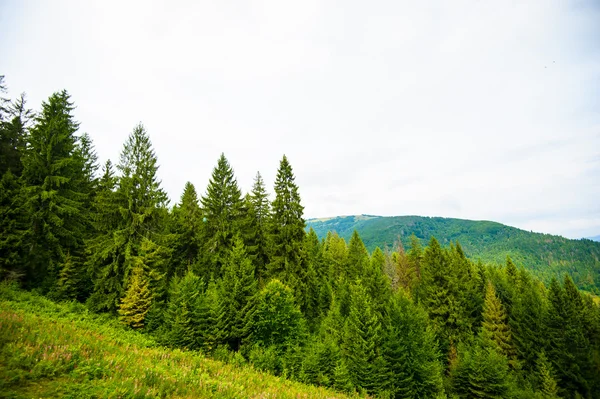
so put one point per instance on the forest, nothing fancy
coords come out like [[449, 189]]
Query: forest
[[235, 275], [545, 255]]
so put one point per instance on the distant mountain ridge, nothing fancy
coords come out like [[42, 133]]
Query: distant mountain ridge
[[547, 255], [595, 238]]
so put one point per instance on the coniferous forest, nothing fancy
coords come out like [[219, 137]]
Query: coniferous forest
[[232, 274]]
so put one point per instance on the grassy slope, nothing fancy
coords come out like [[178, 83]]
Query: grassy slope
[[545, 254], [61, 350]]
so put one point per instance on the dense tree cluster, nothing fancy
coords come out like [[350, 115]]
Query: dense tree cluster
[[234, 274]]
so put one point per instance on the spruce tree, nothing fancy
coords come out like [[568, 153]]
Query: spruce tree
[[134, 216], [527, 321], [236, 291], [188, 223], [495, 327], [53, 198], [68, 280], [481, 372], [335, 255], [377, 283], [13, 225], [15, 119], [318, 285], [206, 316], [222, 209], [185, 294], [436, 293], [256, 227], [411, 352], [357, 261], [137, 300], [546, 382], [286, 233], [361, 342]]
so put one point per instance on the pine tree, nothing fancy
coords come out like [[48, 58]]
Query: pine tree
[[133, 216], [53, 199], [12, 226], [15, 119], [286, 233], [256, 227], [358, 258], [318, 290], [236, 296], [68, 280], [377, 283], [185, 294], [361, 342], [187, 217], [546, 382], [495, 327], [527, 322], [410, 351], [481, 372], [137, 300], [436, 294], [206, 317], [565, 347], [222, 209], [335, 255]]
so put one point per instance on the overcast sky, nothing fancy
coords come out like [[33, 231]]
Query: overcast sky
[[486, 110]]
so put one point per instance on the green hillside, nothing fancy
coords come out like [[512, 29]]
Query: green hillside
[[50, 350], [491, 242]]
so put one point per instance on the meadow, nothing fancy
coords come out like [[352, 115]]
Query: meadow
[[62, 350]]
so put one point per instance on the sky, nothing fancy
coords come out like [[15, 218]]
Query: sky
[[484, 110]]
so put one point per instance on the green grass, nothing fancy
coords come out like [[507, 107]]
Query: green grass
[[62, 350]]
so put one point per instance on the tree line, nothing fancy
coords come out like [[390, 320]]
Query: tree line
[[236, 276]]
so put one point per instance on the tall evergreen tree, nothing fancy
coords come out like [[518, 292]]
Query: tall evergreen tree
[[287, 230], [377, 283], [437, 292], [567, 349], [335, 255], [185, 294], [15, 119], [53, 197], [410, 351], [481, 372], [361, 342], [546, 382], [358, 258], [188, 229], [236, 296], [495, 327], [527, 321], [256, 227], [318, 284], [12, 225], [222, 209], [134, 217]]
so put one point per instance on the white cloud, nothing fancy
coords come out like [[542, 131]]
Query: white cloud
[[482, 110]]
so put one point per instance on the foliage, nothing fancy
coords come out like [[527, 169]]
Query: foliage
[[50, 350], [544, 254]]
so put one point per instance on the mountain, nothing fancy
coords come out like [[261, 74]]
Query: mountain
[[595, 238], [546, 255]]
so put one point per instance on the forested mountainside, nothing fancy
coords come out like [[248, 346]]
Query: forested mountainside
[[234, 275], [546, 255]]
